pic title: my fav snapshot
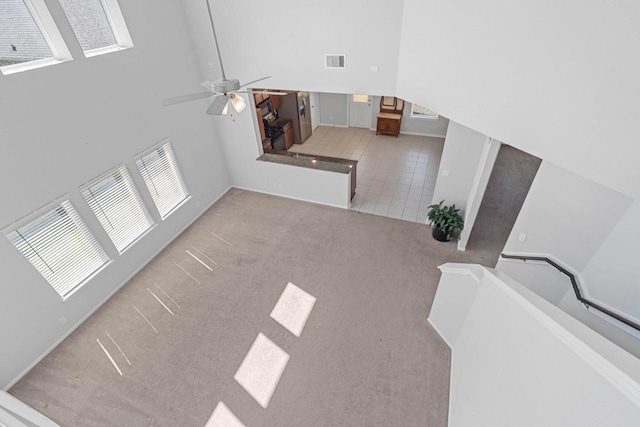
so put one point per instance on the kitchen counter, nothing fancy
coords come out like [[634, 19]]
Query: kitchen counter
[[330, 164], [311, 161], [277, 123]]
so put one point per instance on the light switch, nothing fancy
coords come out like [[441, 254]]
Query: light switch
[[374, 68], [445, 173], [522, 237]]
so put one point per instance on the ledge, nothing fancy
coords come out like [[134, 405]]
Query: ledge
[[309, 161]]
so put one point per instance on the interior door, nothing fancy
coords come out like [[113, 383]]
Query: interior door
[[315, 109], [360, 111]]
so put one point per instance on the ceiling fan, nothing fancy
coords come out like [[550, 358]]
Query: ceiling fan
[[224, 92]]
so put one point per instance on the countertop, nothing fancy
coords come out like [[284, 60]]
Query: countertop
[[330, 164], [278, 123]]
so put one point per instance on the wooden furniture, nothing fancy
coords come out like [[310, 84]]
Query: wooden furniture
[[288, 134], [259, 97], [390, 117], [263, 135], [276, 101]]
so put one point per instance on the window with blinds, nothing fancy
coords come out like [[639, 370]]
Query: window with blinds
[[98, 25], [116, 202], [163, 178], [60, 246]]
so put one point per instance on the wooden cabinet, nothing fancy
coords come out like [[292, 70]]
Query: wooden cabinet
[[258, 98], [276, 101], [389, 124], [288, 134], [263, 135]]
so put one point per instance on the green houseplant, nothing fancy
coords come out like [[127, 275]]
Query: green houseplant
[[446, 221]]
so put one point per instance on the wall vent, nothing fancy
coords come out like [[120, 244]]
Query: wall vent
[[335, 61]]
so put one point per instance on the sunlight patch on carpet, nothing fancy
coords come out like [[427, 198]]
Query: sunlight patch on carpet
[[223, 417], [293, 309], [261, 369]]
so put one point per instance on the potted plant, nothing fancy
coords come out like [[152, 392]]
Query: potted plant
[[446, 222]]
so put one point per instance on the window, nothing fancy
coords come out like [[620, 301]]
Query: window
[[29, 37], [98, 25], [60, 246], [117, 204], [422, 113], [360, 98], [162, 176]]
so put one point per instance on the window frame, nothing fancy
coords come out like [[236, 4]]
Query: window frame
[[134, 192], [49, 30], [118, 27], [42, 211], [413, 115], [178, 171]]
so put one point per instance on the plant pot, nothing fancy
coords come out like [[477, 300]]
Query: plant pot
[[439, 235]]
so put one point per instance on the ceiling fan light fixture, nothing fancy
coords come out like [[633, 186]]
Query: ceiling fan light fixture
[[238, 102]]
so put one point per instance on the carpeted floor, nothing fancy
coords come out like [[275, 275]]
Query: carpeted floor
[[365, 357]]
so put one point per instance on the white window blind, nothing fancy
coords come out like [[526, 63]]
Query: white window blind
[[60, 246], [90, 23], [29, 37], [116, 202], [163, 178]]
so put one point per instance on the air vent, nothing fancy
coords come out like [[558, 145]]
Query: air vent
[[335, 61]]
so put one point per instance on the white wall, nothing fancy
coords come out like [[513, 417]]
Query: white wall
[[553, 80], [65, 124], [334, 109], [461, 155], [288, 39], [567, 216], [501, 370], [476, 194], [239, 140], [613, 273], [412, 125]]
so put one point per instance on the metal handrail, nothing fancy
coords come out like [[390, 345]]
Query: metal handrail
[[576, 287]]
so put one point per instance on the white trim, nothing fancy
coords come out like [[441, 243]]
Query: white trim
[[97, 306], [422, 134], [49, 30], [331, 125], [103, 50], [118, 25], [432, 135]]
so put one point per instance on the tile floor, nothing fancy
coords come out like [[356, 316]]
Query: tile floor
[[396, 176]]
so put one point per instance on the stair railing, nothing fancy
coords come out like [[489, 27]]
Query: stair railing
[[576, 287]]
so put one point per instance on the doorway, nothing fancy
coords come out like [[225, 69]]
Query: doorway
[[360, 111], [508, 186]]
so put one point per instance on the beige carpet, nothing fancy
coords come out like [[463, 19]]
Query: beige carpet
[[366, 356]]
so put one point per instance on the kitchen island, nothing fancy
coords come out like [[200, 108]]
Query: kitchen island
[[312, 161]]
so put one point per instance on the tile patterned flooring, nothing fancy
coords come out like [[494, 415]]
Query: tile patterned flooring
[[396, 176]]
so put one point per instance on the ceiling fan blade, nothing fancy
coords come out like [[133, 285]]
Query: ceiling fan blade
[[217, 105], [186, 98], [255, 81]]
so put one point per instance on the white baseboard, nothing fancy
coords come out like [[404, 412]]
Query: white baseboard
[[85, 317], [433, 135], [291, 197], [333, 126]]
